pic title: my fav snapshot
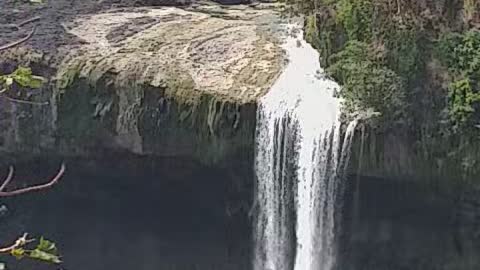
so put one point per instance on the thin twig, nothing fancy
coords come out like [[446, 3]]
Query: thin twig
[[27, 21], [8, 179], [17, 42], [24, 101], [17, 26], [36, 188], [19, 243]]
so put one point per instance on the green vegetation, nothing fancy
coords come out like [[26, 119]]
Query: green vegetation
[[379, 51], [460, 53], [42, 250], [367, 82], [356, 18], [23, 77], [415, 63]]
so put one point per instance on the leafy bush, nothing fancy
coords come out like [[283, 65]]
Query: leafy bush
[[463, 100], [367, 83], [404, 55], [460, 53], [356, 17]]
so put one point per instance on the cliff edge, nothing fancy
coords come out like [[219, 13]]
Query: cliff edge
[[166, 80]]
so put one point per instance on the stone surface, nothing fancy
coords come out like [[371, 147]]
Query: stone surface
[[171, 81], [226, 52], [395, 155]]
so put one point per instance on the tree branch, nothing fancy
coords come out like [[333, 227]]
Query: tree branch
[[27, 21], [22, 241], [52, 182], [8, 179], [20, 41], [17, 26], [14, 100]]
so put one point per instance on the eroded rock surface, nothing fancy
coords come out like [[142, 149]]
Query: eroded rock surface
[[152, 80], [228, 53]]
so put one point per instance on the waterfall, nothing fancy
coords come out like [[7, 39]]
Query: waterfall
[[299, 165]]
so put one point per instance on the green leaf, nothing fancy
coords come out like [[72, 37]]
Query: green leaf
[[44, 256], [45, 251], [23, 76], [18, 253], [46, 246]]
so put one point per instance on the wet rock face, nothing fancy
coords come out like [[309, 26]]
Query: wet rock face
[[161, 81], [395, 155], [233, 2], [203, 50], [177, 3], [399, 225], [173, 3]]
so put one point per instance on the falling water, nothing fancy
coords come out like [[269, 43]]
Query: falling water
[[299, 164]]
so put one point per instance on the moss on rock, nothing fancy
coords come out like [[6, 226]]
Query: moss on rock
[[164, 81]]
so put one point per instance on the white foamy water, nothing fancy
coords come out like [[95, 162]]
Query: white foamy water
[[299, 164]]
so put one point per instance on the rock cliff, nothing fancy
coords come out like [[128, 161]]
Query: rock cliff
[[169, 81]]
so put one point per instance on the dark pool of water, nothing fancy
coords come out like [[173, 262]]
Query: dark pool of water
[[157, 220], [171, 215]]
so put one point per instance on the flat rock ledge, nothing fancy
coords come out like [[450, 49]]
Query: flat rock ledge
[[231, 53], [171, 81]]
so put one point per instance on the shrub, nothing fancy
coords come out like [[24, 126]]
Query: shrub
[[367, 83]]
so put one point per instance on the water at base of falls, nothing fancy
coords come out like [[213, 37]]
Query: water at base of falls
[[299, 165]]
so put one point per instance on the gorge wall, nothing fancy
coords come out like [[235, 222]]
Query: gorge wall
[[408, 68], [184, 80], [165, 81]]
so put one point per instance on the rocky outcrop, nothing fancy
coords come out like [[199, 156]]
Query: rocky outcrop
[[165, 81], [442, 166], [401, 59]]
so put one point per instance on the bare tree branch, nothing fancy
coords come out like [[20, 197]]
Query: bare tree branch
[[27, 21], [17, 26], [24, 101], [17, 42], [52, 182], [18, 243], [8, 179]]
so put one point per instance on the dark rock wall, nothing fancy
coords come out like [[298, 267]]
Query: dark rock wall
[[88, 120], [398, 155], [398, 225]]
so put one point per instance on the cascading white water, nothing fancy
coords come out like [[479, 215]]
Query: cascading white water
[[299, 162]]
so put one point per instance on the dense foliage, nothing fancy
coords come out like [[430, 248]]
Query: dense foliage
[[416, 63], [379, 51], [460, 53], [363, 75]]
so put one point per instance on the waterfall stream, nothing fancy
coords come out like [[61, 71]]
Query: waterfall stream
[[299, 165]]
